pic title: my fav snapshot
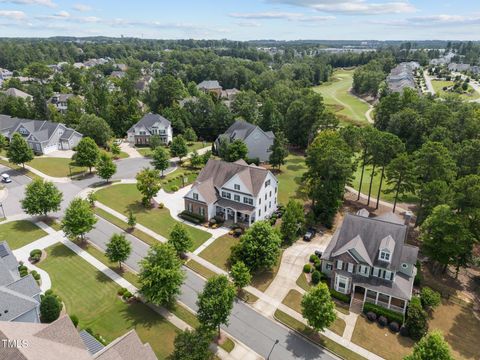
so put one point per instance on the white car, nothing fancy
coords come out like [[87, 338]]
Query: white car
[[6, 178]]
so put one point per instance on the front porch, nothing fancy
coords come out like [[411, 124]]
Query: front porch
[[232, 216], [364, 294]]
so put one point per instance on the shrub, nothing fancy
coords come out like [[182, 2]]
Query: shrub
[[35, 255], [121, 291], [161, 205], [371, 316], [316, 277], [174, 188], [127, 295], [74, 319], [381, 311], [404, 331], [35, 275], [394, 327], [212, 222], [194, 218], [339, 296], [313, 258], [50, 308], [307, 268], [418, 278], [417, 319], [318, 265], [238, 232], [429, 298], [382, 321]]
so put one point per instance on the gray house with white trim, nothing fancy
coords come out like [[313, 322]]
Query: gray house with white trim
[[41, 135], [150, 124]]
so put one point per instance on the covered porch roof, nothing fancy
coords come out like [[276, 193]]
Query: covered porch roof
[[244, 208]]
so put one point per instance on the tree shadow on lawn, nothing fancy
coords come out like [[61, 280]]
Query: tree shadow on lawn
[[62, 251], [139, 314], [296, 345]]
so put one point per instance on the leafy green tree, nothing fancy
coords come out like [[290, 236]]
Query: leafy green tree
[[417, 319], [400, 177], [148, 183], [240, 275], [160, 159], [115, 150], [190, 135], [164, 92], [155, 141], [87, 153], [259, 247], [95, 128], [132, 220], [179, 147], [236, 150], [180, 239], [19, 152], [91, 198], [75, 110], [329, 161], [196, 160], [432, 194], [106, 168], [318, 307], [38, 71], [278, 151], [41, 197], [79, 219], [215, 302], [431, 346], [118, 249], [50, 308], [245, 106], [161, 275], [192, 345], [293, 221], [430, 299]]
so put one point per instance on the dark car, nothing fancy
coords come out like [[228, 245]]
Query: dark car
[[318, 253], [309, 234]]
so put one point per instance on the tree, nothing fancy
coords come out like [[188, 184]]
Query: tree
[[417, 319], [106, 168], [118, 249], [400, 177], [96, 128], [87, 153], [50, 308], [329, 161], [19, 152], [160, 159], [190, 135], [38, 71], [161, 275], [293, 221], [41, 197], [215, 302], [259, 247], [430, 299], [180, 239], [236, 150], [132, 220], [164, 92], [79, 218], [75, 109], [240, 275], [192, 345], [155, 141], [318, 307], [278, 150], [115, 149], [179, 147], [196, 160], [431, 346], [148, 183]]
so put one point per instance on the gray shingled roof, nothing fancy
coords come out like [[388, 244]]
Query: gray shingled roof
[[241, 129], [148, 120], [209, 85]]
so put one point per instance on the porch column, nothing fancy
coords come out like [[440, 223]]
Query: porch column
[[352, 297], [404, 306], [249, 219], [365, 295], [389, 301], [234, 216], [376, 298]]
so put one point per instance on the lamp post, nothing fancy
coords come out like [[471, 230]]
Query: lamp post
[[274, 344], [3, 211]]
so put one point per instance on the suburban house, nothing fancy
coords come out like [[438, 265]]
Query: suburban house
[[41, 135], [118, 74], [368, 259], [150, 124], [235, 192], [18, 93], [19, 296], [60, 101], [210, 86], [5, 75], [402, 77], [258, 141], [60, 340]]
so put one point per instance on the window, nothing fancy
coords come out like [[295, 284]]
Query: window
[[363, 269], [385, 256], [236, 197], [247, 200], [265, 208], [265, 196], [339, 264], [350, 268], [236, 187], [226, 195], [190, 207], [387, 275], [275, 190], [259, 212], [195, 196], [202, 211], [329, 266], [267, 183], [270, 193], [375, 272], [259, 201], [269, 204]]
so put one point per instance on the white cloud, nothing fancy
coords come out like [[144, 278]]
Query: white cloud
[[274, 15], [432, 21], [13, 14], [82, 7], [359, 7], [47, 3], [248, 24]]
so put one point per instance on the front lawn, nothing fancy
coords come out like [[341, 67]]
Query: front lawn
[[290, 179], [56, 167], [439, 85], [218, 252], [93, 298], [179, 178], [20, 233], [126, 197], [197, 145]]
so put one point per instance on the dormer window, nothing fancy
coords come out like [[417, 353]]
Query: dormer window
[[195, 196], [385, 255], [236, 186]]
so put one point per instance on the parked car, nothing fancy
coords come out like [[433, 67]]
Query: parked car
[[309, 234], [319, 253], [6, 178]]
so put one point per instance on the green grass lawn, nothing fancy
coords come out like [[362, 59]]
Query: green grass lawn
[[20, 169], [218, 252], [93, 298], [337, 96], [197, 145], [20, 233], [125, 197], [290, 179], [56, 167], [438, 86], [176, 178]]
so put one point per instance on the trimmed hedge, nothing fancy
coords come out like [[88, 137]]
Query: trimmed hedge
[[339, 296], [381, 311], [307, 268], [192, 217]]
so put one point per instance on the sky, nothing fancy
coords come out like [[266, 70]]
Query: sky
[[244, 19]]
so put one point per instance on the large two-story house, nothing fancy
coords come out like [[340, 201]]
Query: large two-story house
[[150, 124], [368, 259], [19, 296], [236, 192], [258, 141], [60, 101], [41, 135]]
